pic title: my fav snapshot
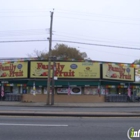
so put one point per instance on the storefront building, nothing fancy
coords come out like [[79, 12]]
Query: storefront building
[[76, 81]]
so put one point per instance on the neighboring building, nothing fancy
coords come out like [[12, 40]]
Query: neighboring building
[[84, 81]]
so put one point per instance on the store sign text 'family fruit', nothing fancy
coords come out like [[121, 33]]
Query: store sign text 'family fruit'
[[59, 70], [119, 72], [11, 70]]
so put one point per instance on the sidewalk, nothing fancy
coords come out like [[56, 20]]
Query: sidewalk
[[39, 104], [55, 109]]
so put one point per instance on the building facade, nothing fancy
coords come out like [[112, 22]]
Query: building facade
[[75, 81]]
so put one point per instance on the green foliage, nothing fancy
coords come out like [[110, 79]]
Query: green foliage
[[62, 51], [136, 61]]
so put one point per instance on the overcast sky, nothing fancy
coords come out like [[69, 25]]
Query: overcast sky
[[105, 22]]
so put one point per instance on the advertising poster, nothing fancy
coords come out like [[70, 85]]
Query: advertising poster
[[73, 90], [39, 69], [116, 72], [13, 70], [76, 90], [62, 90], [91, 90]]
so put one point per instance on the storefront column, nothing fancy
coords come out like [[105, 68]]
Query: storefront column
[[28, 89], [21, 89], [99, 88]]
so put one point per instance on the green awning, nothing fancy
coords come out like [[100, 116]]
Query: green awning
[[15, 81], [117, 83], [110, 83], [65, 83]]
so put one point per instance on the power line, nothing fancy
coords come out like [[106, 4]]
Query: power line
[[95, 37], [91, 44], [23, 11], [94, 44], [34, 32], [21, 16], [90, 13], [18, 41], [87, 39], [99, 15], [47, 29], [20, 35], [26, 32], [64, 11], [97, 20], [24, 41], [108, 52]]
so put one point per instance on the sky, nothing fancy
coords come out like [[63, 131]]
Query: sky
[[93, 22]]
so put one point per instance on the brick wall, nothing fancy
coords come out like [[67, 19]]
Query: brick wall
[[64, 98]]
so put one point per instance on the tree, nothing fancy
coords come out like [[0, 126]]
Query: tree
[[137, 61], [62, 51]]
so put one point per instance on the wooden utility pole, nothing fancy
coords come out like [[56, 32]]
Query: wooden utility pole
[[53, 82], [49, 61]]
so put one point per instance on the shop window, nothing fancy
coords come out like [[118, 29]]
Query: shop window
[[45, 90], [37, 91], [8, 89], [138, 92], [16, 90], [113, 91], [91, 90], [24, 91], [121, 91], [125, 91], [104, 91]]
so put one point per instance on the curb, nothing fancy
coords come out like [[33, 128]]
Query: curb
[[70, 106], [95, 106], [67, 115]]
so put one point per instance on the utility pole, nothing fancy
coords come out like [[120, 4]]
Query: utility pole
[[53, 81], [49, 60]]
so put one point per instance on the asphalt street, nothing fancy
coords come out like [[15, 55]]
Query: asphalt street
[[65, 128]]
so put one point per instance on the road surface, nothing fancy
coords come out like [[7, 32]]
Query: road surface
[[65, 128]]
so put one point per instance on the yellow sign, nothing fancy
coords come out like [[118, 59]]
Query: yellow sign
[[116, 72], [137, 74], [39, 69], [13, 70]]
